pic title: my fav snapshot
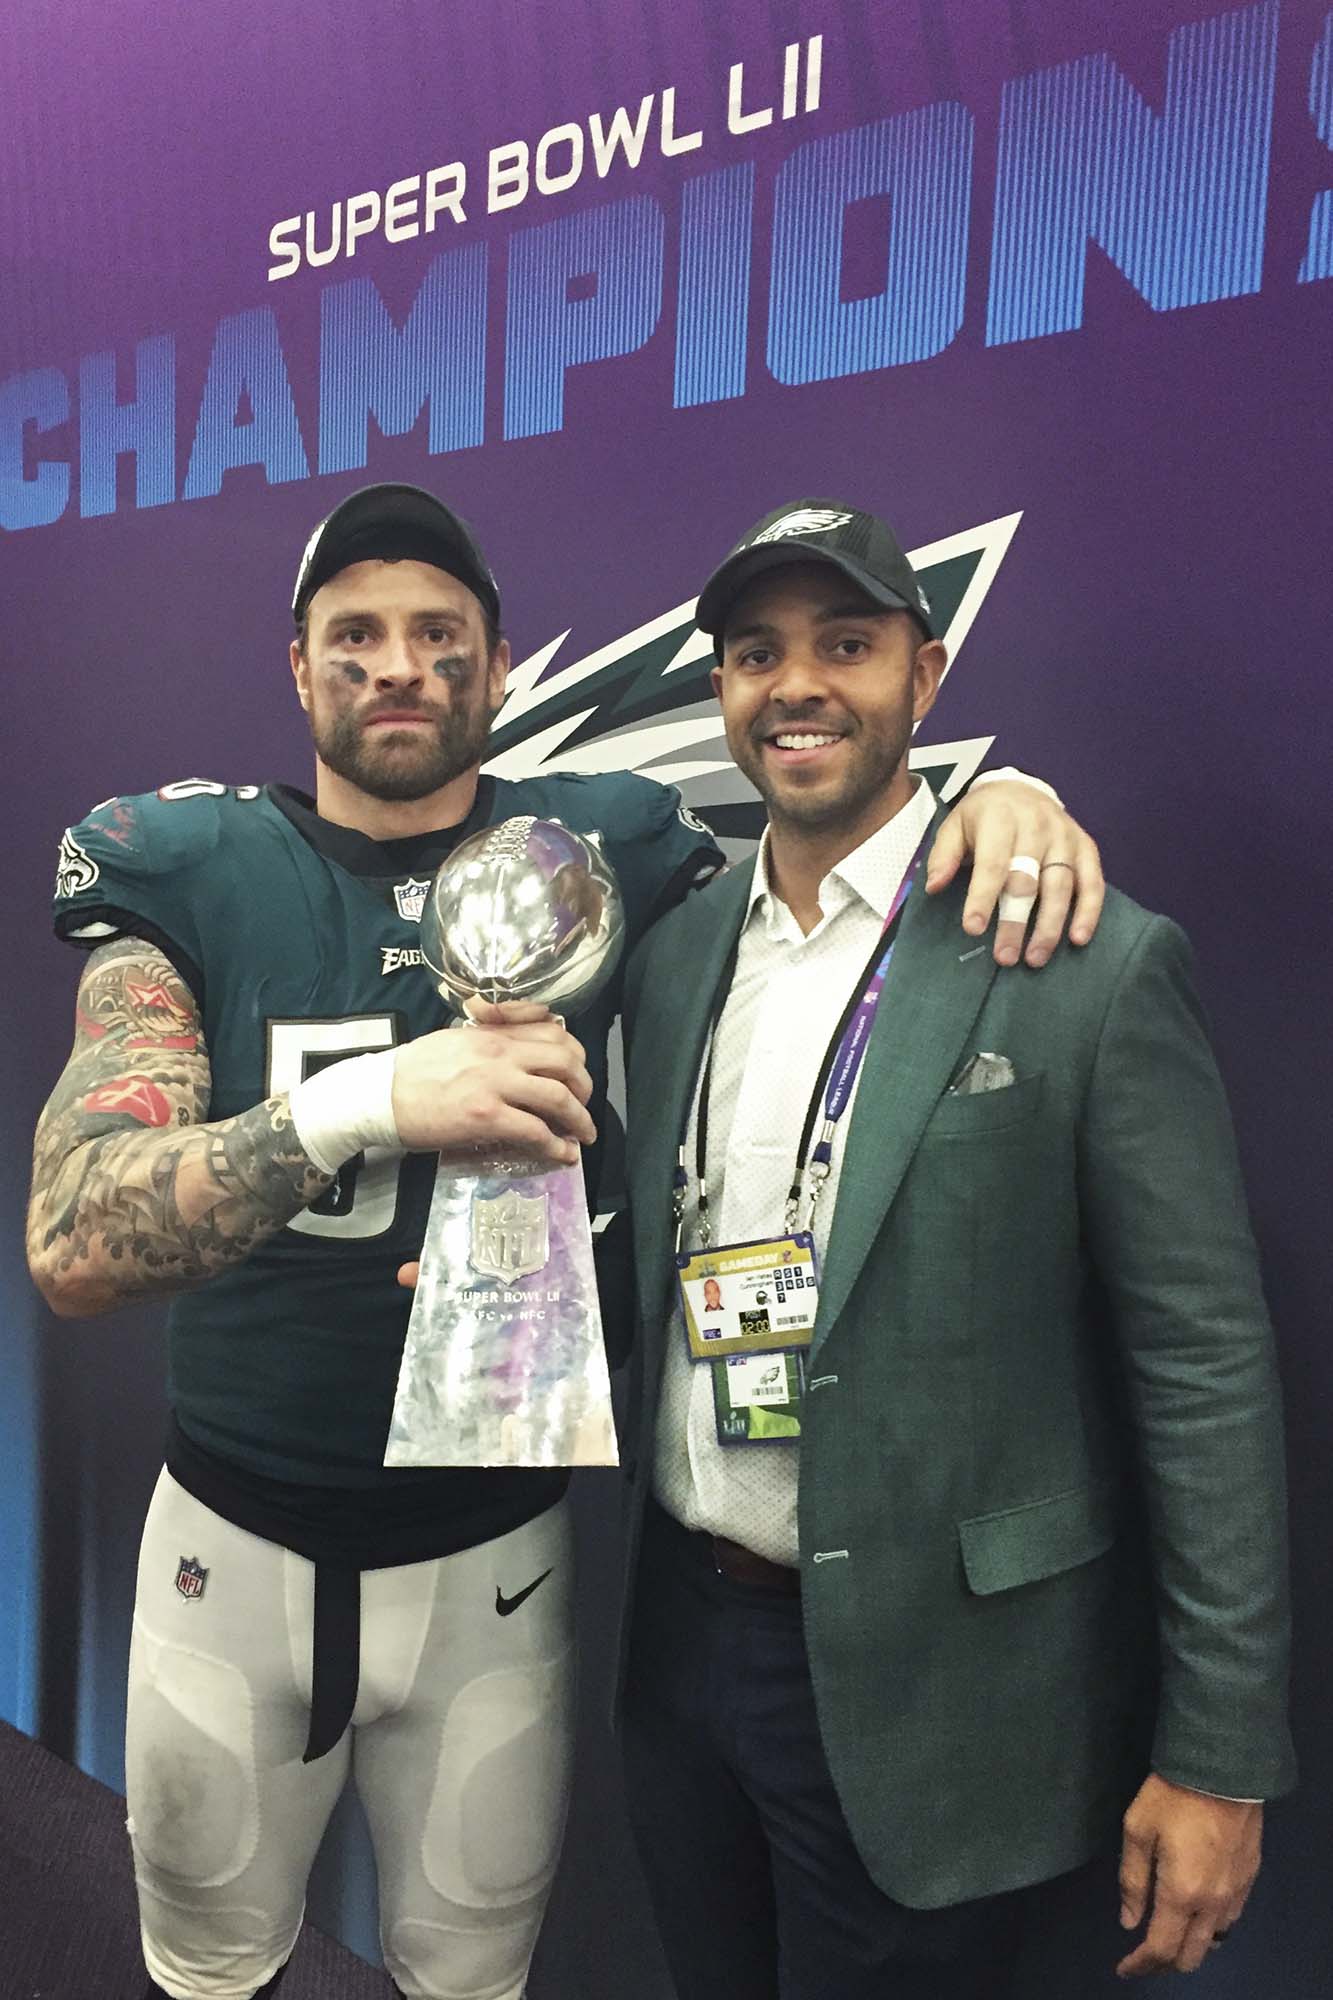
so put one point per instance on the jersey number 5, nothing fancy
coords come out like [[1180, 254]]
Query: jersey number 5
[[364, 1198]]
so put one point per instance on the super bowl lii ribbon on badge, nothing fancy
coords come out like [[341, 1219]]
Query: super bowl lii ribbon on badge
[[504, 1362]]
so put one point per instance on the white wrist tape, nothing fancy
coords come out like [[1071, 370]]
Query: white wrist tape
[[1010, 775], [345, 1108]]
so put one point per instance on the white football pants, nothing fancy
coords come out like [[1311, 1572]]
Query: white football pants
[[460, 1747]]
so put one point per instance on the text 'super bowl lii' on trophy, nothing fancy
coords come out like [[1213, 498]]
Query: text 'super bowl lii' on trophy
[[504, 1362]]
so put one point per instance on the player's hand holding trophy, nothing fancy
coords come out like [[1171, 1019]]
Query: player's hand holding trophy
[[504, 1362]]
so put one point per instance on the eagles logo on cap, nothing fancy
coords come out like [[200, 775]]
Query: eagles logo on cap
[[801, 521], [307, 557], [862, 546]]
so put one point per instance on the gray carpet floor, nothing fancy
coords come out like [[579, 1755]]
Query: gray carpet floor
[[68, 1929]]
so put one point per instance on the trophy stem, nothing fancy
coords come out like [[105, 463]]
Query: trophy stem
[[504, 1362]]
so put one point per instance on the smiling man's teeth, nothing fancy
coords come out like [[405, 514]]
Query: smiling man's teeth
[[803, 742]]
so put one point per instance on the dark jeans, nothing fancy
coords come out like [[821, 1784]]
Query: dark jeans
[[758, 1891]]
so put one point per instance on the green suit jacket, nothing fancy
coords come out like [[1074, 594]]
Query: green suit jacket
[[1042, 1513]]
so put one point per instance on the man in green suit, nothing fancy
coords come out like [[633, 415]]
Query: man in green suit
[[986, 1580]]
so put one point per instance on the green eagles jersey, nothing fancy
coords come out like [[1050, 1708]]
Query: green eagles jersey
[[299, 940]]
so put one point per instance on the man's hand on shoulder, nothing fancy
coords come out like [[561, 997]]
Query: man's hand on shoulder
[[1004, 821], [1188, 1864]]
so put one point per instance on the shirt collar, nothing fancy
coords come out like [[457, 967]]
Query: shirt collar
[[873, 872]]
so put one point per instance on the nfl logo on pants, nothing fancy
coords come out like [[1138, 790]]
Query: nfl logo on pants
[[191, 1578]]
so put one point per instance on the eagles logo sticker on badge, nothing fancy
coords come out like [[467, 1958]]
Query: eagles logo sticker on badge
[[410, 897], [191, 1577]]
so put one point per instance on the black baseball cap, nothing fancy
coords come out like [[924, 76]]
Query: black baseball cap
[[394, 524], [863, 547]]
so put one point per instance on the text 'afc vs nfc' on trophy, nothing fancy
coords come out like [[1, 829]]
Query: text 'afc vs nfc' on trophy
[[504, 1362]]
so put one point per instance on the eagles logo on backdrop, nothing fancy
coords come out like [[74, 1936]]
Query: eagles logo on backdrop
[[645, 701]]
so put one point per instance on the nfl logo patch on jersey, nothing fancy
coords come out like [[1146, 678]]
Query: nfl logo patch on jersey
[[410, 896], [191, 1577]]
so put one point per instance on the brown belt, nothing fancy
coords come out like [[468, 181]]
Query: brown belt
[[742, 1565]]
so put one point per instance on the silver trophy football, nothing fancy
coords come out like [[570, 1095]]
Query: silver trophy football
[[504, 1362]]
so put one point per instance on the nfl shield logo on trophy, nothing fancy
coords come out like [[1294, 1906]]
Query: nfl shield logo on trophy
[[190, 1578], [410, 897], [510, 1238]]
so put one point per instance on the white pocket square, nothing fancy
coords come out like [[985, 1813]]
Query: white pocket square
[[983, 1071]]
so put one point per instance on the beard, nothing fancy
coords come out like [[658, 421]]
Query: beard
[[871, 755], [398, 767]]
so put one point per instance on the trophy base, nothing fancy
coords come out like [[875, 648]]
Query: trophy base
[[504, 1362]]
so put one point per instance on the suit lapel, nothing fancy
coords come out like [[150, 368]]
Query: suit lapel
[[936, 987], [669, 1043]]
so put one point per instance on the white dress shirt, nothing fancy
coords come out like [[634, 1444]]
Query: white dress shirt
[[786, 999]]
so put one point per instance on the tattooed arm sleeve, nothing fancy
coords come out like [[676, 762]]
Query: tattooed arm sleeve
[[132, 1195]]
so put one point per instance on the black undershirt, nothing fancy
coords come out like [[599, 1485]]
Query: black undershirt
[[418, 1517]]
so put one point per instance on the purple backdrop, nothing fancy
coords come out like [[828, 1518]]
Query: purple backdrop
[[1049, 259]]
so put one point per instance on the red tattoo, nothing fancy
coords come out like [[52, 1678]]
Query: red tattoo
[[94, 1030], [137, 1095], [156, 995], [187, 1042]]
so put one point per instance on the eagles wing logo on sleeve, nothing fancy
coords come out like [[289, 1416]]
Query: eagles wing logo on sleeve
[[645, 702], [75, 868]]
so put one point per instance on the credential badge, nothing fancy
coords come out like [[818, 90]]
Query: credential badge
[[191, 1577], [75, 869], [510, 1237], [410, 896]]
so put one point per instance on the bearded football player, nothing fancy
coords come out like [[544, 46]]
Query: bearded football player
[[260, 1083]]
